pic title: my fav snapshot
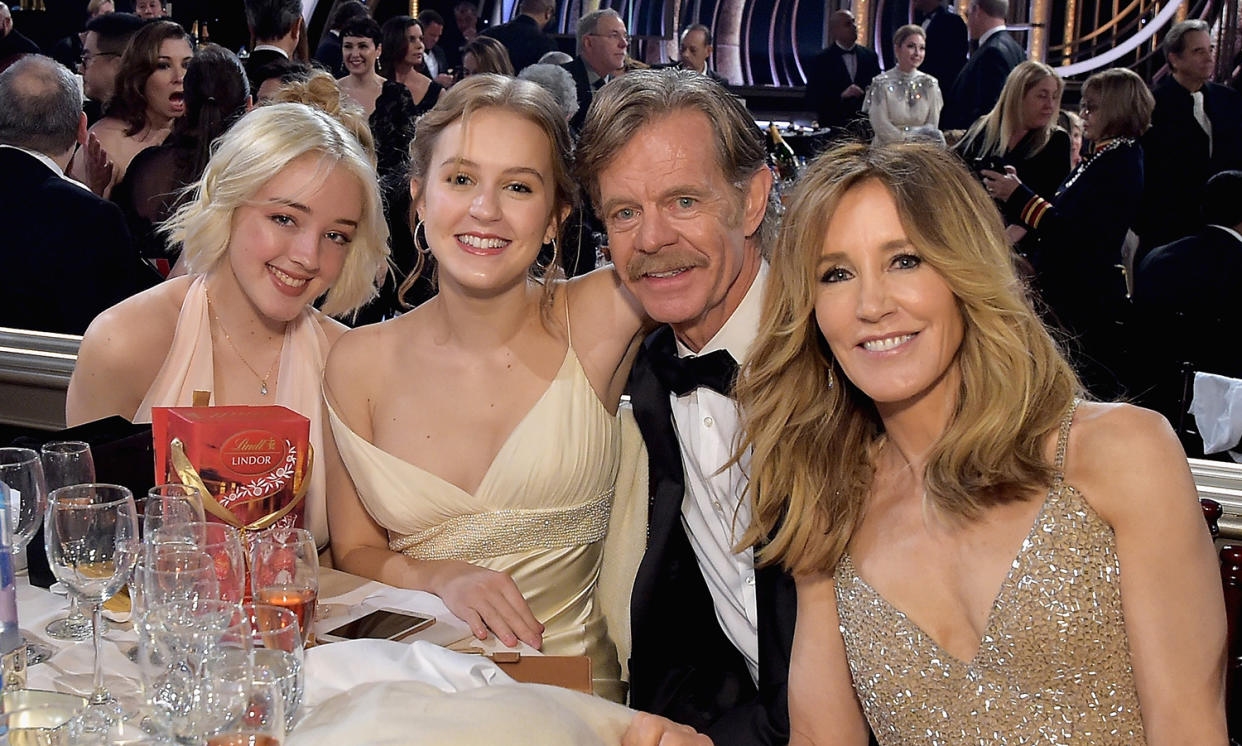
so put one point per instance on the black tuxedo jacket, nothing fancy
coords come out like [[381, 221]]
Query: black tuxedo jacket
[[977, 87], [1176, 159], [827, 77], [66, 253], [578, 69], [524, 40], [701, 681], [948, 43]]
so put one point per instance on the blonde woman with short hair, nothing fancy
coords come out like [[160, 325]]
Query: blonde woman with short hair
[[977, 552], [287, 213], [902, 102]]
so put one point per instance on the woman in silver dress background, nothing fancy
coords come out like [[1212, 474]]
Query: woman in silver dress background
[[903, 103]]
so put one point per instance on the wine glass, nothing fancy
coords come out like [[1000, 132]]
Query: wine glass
[[221, 542], [284, 571], [276, 641], [92, 543], [22, 470], [172, 573], [67, 462], [171, 504]]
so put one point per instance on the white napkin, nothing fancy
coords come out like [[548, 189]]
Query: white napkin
[[412, 712], [341, 666], [1217, 407]]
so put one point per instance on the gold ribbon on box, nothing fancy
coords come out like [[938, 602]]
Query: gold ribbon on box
[[189, 475]]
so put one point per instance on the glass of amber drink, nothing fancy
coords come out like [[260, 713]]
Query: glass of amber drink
[[284, 571]]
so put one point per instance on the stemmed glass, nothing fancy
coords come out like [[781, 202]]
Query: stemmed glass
[[169, 505], [219, 541], [92, 543], [65, 463], [284, 571], [22, 470]]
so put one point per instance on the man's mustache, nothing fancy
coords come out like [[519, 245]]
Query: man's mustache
[[664, 261]]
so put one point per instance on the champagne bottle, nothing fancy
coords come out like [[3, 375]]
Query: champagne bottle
[[782, 155]]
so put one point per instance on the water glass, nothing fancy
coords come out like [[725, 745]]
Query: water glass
[[92, 544], [249, 703], [284, 571], [182, 649], [222, 543], [276, 641], [22, 470], [171, 573], [65, 463]]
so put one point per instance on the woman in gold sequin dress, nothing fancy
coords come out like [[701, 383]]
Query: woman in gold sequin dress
[[980, 559], [478, 434]]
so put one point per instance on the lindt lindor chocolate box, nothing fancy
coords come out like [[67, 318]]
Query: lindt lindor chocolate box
[[251, 463]]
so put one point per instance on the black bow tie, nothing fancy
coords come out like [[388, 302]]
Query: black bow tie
[[681, 375]]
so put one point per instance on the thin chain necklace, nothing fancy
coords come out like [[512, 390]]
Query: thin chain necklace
[[263, 379]]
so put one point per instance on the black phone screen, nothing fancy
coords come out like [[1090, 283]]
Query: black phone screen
[[382, 625]]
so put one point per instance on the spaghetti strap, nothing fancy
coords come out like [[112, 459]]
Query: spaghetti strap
[[1058, 477], [569, 332]]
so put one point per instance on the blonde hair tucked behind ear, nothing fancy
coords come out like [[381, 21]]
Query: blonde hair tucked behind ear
[[259, 146], [813, 441]]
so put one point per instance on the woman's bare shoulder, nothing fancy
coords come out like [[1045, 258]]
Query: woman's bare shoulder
[[364, 357], [138, 330]]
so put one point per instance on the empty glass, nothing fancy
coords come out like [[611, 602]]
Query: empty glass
[[277, 644], [249, 701], [186, 651], [284, 571], [65, 463], [92, 543], [22, 470], [221, 542], [170, 505], [170, 573]]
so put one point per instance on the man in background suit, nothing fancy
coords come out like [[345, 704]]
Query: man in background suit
[[677, 169], [1184, 295], [948, 43], [433, 52], [106, 39], [277, 28], [978, 86], [1196, 131], [837, 78], [524, 37], [695, 49], [66, 252], [602, 43], [12, 43]]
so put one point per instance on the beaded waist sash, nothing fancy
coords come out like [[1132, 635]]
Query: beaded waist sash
[[499, 532]]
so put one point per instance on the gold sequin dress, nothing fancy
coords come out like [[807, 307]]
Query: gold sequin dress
[[540, 514], [1054, 663]]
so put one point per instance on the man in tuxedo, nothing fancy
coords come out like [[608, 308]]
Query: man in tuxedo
[[837, 78], [677, 169], [66, 252], [602, 43], [1183, 293], [1196, 131], [277, 28], [948, 43], [695, 49], [978, 86], [433, 52], [524, 37]]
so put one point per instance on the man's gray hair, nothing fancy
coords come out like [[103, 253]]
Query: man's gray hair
[[1175, 40], [40, 105], [589, 22], [555, 80], [621, 109]]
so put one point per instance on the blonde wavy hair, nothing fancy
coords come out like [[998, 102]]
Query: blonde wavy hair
[[262, 143], [995, 129], [813, 442]]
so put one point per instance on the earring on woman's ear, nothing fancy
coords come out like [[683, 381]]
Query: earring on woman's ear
[[424, 248]]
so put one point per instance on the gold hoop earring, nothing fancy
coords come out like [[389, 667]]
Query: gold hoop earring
[[424, 248]]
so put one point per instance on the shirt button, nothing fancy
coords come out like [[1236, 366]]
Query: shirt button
[[716, 504], [708, 421], [750, 579]]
